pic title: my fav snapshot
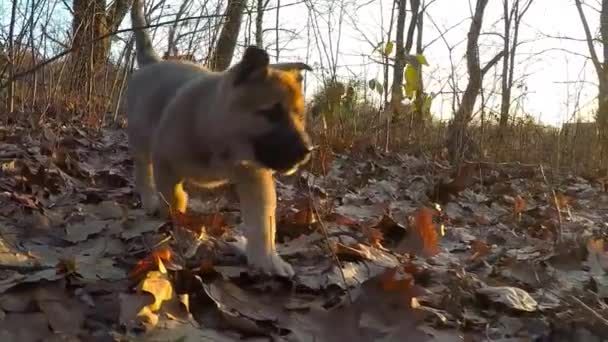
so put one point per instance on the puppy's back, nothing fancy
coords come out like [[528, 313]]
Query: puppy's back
[[149, 90]]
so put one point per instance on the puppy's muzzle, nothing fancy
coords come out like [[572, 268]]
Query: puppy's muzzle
[[283, 150]]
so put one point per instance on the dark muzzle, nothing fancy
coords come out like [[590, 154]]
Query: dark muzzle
[[282, 149]]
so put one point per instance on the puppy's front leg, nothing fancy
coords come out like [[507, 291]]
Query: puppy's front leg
[[258, 201], [144, 182], [170, 188]]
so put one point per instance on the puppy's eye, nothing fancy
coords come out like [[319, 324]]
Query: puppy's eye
[[274, 113]]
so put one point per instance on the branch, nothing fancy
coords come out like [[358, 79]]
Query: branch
[[97, 39], [492, 62], [592, 52]]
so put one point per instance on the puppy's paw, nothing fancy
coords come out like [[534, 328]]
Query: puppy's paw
[[268, 262]]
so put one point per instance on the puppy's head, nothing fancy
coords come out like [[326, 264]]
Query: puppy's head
[[267, 105]]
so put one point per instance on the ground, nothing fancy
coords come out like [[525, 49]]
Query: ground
[[385, 247]]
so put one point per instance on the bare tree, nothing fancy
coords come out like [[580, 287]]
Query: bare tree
[[397, 88], [172, 40], [91, 20], [223, 52], [458, 141], [259, 20], [601, 69], [512, 22], [11, 59]]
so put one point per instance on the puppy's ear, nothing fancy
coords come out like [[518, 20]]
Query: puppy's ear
[[291, 66], [254, 64]]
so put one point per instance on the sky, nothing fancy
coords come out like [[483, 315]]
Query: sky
[[552, 73], [556, 72]]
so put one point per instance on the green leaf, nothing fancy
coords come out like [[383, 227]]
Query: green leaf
[[411, 81], [410, 91], [421, 59], [388, 49]]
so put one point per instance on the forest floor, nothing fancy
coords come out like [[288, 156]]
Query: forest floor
[[385, 248]]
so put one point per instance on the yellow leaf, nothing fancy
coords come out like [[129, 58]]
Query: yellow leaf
[[388, 48], [159, 286], [422, 60], [161, 265], [147, 317], [410, 90], [411, 81]]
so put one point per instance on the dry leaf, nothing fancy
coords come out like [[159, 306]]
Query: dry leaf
[[519, 205], [157, 284], [479, 249], [151, 262], [341, 220], [354, 252], [512, 297], [426, 231]]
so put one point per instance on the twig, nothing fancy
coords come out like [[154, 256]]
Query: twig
[[591, 310], [326, 238], [556, 202], [102, 37]]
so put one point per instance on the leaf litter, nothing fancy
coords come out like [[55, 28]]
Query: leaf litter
[[385, 248]]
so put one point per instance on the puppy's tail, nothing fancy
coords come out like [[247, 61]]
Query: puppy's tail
[[143, 44]]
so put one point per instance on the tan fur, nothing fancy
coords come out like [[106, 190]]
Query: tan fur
[[186, 123]]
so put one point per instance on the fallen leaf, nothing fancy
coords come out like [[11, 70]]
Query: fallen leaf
[[512, 297], [81, 231], [479, 249], [159, 286], [341, 219], [519, 206]]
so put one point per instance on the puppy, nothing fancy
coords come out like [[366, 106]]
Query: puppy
[[187, 123]]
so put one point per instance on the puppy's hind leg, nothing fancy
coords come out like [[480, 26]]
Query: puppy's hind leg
[[170, 190], [144, 183], [258, 201]]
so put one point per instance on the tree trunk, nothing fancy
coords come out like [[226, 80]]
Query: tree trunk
[[602, 112], [117, 12], [397, 88], [414, 4], [506, 88], [457, 139], [259, 20], [221, 57], [512, 22], [10, 100], [417, 22], [601, 68], [89, 22]]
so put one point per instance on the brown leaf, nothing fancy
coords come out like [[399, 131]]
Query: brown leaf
[[479, 249], [354, 252], [463, 178], [304, 216], [426, 230], [341, 220], [595, 245], [374, 237], [390, 231], [519, 205], [151, 262]]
